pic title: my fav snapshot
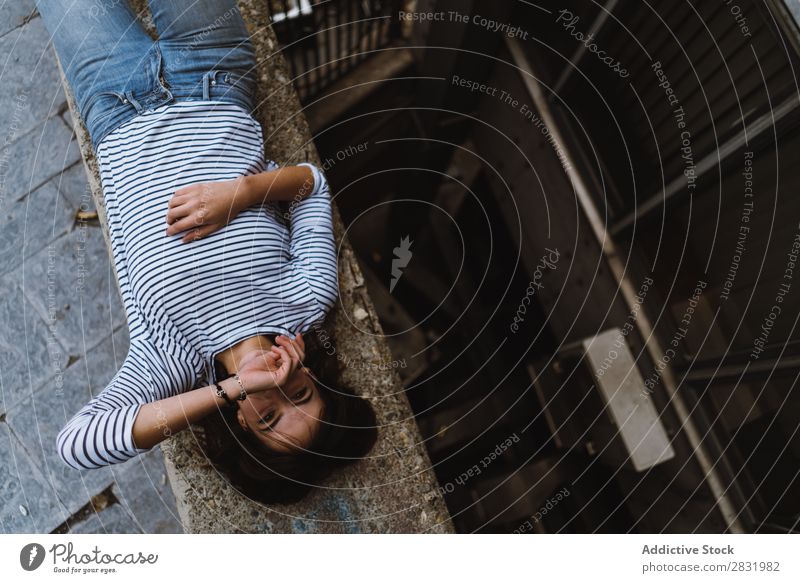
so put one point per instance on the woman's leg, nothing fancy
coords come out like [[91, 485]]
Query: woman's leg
[[107, 58], [206, 50]]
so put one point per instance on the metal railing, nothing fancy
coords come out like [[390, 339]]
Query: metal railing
[[322, 40]]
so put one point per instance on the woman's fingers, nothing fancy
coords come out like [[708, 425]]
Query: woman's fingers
[[184, 190], [295, 349], [285, 370], [287, 353], [283, 356], [264, 357], [290, 354], [199, 233], [187, 222], [179, 197], [296, 346], [177, 212]]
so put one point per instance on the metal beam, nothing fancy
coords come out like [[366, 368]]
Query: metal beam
[[710, 161]]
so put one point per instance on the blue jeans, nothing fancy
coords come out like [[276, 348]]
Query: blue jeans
[[116, 71]]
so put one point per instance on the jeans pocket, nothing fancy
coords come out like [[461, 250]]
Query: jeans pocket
[[106, 103], [244, 83]]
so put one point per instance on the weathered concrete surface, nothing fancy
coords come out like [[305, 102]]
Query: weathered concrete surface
[[395, 490], [14, 15], [62, 327], [27, 503], [141, 487]]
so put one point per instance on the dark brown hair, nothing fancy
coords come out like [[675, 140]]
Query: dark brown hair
[[347, 432]]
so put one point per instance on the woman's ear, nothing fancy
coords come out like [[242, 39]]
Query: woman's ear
[[240, 419]]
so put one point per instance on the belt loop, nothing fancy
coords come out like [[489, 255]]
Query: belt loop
[[132, 100], [209, 79]]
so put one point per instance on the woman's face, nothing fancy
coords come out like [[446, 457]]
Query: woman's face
[[286, 419]]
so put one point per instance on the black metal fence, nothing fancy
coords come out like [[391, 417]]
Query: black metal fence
[[324, 39]]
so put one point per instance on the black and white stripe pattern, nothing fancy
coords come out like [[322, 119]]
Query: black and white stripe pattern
[[272, 270]]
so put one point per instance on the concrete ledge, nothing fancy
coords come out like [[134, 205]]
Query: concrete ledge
[[393, 491]]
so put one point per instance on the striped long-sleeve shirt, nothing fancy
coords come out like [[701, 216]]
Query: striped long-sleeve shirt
[[271, 270]]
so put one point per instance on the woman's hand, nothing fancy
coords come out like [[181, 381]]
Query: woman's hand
[[263, 370], [295, 347], [200, 209]]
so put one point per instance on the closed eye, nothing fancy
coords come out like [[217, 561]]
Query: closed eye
[[268, 421], [302, 396], [267, 418]]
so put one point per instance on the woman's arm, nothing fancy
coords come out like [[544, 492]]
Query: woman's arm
[[292, 183], [313, 252], [100, 433], [200, 209], [158, 420], [258, 371], [141, 406]]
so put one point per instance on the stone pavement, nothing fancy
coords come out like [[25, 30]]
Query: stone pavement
[[62, 326]]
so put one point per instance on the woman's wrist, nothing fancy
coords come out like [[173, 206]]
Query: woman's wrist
[[231, 389], [246, 193], [287, 184]]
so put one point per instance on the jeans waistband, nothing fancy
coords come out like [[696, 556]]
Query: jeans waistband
[[215, 86]]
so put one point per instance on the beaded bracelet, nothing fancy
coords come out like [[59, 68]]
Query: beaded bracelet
[[223, 395], [243, 394]]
